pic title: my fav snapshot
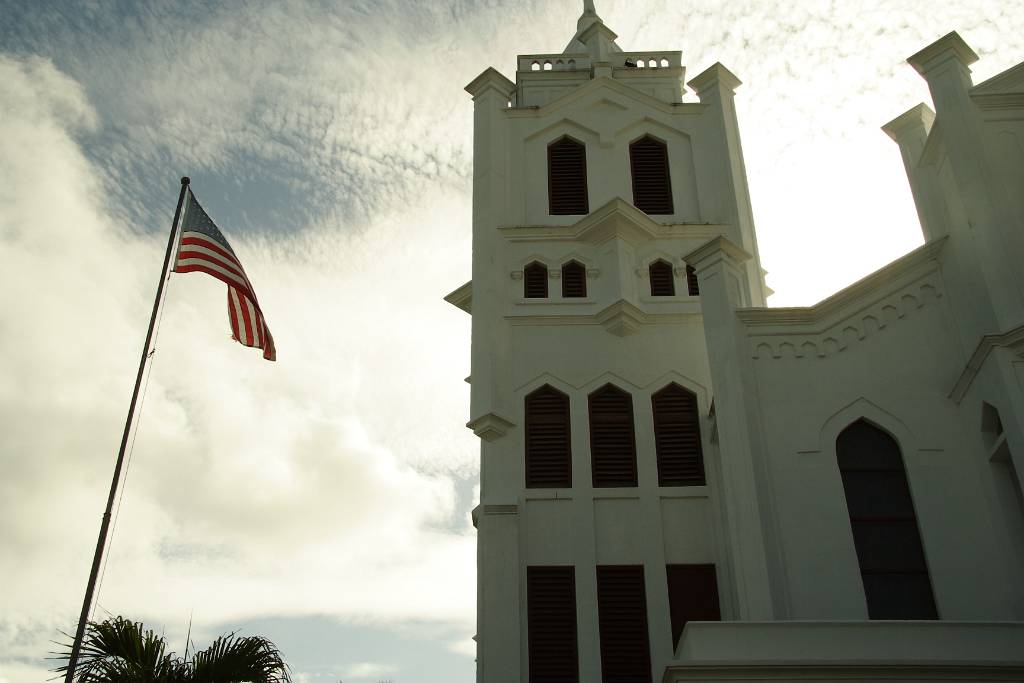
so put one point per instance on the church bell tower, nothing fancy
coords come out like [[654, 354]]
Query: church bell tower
[[601, 524]]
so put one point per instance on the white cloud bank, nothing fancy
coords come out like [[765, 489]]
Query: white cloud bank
[[317, 485]]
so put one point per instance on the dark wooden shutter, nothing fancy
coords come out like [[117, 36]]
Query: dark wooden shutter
[[574, 280], [612, 443], [885, 533], [662, 282], [692, 596], [567, 178], [548, 451], [535, 281], [691, 281], [652, 186], [622, 624], [551, 624], [677, 437]]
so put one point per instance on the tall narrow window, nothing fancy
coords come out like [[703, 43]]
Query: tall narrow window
[[677, 437], [567, 177], [662, 282], [885, 533], [535, 281], [612, 443], [548, 451], [692, 596], [551, 624], [622, 624], [691, 281], [574, 280], [652, 186]]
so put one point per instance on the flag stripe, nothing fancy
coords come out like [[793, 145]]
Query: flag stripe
[[202, 248], [200, 239]]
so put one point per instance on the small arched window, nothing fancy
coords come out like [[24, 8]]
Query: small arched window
[[574, 280], [567, 178], [612, 442], [548, 450], [692, 288], [884, 525], [652, 186], [662, 280], [535, 281], [677, 437]]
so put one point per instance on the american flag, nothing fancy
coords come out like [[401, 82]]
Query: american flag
[[203, 249]]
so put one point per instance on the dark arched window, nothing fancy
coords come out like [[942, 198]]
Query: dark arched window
[[574, 280], [652, 186], [677, 437], [535, 281], [691, 281], [548, 451], [567, 177], [885, 533], [662, 281], [612, 443]]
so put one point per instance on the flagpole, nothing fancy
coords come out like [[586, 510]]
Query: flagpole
[[105, 525]]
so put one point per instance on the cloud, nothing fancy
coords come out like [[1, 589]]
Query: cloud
[[322, 484]]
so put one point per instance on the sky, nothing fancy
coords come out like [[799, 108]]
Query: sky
[[323, 500]]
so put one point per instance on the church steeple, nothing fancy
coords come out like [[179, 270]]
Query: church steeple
[[597, 43]]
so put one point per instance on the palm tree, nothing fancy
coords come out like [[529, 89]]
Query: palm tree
[[120, 651]]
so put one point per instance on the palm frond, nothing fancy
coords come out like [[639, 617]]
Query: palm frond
[[230, 659], [120, 651]]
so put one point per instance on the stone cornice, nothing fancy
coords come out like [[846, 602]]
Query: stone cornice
[[716, 73], [949, 45], [1013, 339], [490, 426], [620, 318], [462, 297], [488, 79], [919, 116], [721, 247], [617, 218]]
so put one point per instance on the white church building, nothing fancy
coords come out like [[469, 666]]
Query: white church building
[[679, 483]]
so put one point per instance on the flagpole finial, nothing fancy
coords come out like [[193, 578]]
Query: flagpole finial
[[185, 180]]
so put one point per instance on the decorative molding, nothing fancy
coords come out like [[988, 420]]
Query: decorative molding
[[462, 297], [596, 88], [490, 78], [622, 318], [1012, 339], [617, 218], [490, 427], [836, 337], [690, 313], [949, 45], [719, 246], [492, 510], [1009, 81]]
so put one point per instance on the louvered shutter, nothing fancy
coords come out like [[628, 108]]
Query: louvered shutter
[[535, 281], [548, 451], [662, 282], [567, 178], [692, 287], [652, 186], [574, 280], [677, 437], [551, 624], [692, 596], [884, 525], [612, 443], [622, 624]]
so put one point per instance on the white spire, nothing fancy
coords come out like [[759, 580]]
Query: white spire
[[586, 20]]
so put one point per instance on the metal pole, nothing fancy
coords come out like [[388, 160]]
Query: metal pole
[[105, 525]]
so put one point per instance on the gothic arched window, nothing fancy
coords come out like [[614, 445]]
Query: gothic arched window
[[652, 185], [574, 280], [567, 177], [662, 281], [677, 437], [535, 281], [548, 450], [612, 442], [885, 533]]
